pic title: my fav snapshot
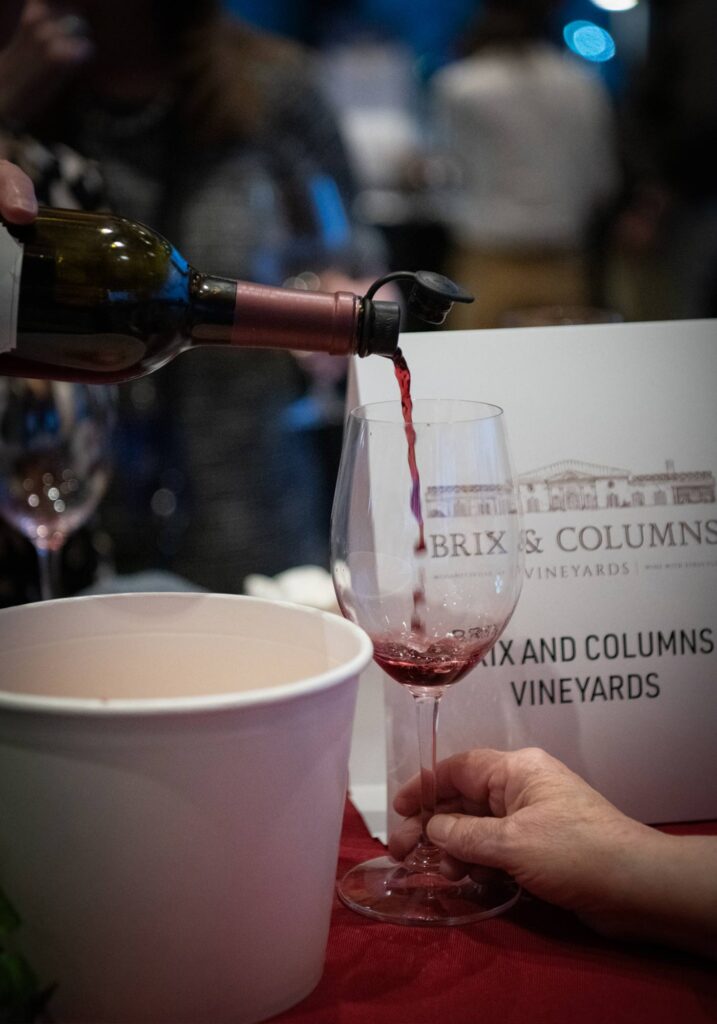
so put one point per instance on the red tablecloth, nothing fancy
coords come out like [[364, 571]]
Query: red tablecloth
[[535, 964]]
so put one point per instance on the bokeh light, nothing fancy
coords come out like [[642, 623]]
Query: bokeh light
[[616, 5], [589, 41]]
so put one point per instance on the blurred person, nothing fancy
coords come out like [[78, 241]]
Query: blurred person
[[529, 132], [79, 557], [217, 136], [526, 813], [662, 238]]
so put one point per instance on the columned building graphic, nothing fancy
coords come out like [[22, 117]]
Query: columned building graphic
[[571, 485]]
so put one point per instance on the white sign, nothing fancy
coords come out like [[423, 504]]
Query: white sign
[[610, 661], [11, 252]]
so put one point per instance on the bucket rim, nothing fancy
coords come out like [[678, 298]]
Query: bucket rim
[[206, 703]]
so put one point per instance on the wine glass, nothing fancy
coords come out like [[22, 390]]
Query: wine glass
[[55, 440], [431, 567]]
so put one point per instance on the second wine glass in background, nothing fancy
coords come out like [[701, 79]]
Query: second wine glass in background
[[55, 459]]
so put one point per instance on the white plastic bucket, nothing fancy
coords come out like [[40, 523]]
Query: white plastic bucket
[[172, 780]]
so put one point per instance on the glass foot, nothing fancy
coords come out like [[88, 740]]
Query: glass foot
[[386, 891]]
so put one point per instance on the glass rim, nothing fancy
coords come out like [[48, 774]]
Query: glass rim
[[371, 412]]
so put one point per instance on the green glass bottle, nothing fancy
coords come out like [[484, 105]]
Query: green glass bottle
[[99, 298]]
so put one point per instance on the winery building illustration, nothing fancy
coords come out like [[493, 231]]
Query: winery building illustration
[[575, 486]]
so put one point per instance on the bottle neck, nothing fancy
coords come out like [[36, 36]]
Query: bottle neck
[[226, 312]]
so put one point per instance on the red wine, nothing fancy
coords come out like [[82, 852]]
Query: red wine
[[100, 299], [416, 659], [439, 663], [403, 376]]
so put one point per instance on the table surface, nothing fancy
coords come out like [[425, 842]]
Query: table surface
[[535, 964]]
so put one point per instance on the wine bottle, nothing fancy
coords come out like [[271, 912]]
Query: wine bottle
[[101, 299]]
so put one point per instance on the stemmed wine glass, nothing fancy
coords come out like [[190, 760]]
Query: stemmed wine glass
[[431, 567], [55, 442]]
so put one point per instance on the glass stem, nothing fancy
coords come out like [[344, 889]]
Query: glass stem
[[48, 560], [425, 856]]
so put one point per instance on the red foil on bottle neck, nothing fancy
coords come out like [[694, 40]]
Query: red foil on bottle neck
[[288, 318]]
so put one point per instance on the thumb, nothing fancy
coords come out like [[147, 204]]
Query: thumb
[[474, 840], [17, 195]]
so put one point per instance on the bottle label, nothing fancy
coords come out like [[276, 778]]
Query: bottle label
[[10, 269]]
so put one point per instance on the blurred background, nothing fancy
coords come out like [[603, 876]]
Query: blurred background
[[470, 159], [556, 157]]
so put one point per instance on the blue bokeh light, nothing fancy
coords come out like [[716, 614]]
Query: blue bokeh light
[[589, 41]]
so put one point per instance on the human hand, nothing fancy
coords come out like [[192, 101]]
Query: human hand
[[17, 195], [47, 47], [527, 814]]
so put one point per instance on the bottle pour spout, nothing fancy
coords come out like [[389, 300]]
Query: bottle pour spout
[[380, 328]]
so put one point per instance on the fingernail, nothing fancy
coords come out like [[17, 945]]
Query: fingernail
[[20, 211], [22, 199], [440, 827]]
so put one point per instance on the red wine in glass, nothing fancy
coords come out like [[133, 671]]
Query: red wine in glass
[[439, 663], [430, 621]]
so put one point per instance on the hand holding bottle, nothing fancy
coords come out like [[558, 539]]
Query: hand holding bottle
[[526, 813], [48, 45], [18, 204]]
